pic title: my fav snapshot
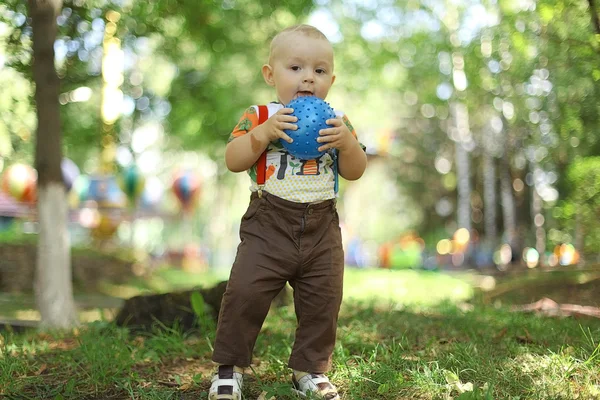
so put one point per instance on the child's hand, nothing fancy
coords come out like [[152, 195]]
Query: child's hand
[[273, 127], [338, 137]]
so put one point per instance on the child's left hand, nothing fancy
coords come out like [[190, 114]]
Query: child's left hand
[[338, 137]]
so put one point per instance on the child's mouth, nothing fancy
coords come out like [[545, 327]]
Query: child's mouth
[[304, 93]]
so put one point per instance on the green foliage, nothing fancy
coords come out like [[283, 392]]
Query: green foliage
[[197, 69], [200, 310], [14, 234], [194, 70], [198, 305], [580, 211], [584, 177]]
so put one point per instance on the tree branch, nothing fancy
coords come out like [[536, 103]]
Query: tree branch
[[595, 18]]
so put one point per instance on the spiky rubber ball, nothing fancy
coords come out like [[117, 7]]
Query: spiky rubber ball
[[312, 112]]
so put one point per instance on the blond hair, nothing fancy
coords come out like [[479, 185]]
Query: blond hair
[[303, 29]]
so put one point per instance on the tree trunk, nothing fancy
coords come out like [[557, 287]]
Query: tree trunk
[[579, 239], [464, 187], [489, 198], [53, 286], [508, 203], [594, 15], [538, 225], [463, 166], [145, 312]]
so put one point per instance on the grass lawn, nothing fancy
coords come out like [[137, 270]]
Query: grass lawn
[[402, 335]]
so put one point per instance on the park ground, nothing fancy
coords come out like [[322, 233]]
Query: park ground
[[402, 335]]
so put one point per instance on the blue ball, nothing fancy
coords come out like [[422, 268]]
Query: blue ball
[[312, 112]]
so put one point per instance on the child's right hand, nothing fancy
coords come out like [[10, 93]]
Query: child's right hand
[[273, 128]]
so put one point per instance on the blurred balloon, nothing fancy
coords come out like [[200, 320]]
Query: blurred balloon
[[81, 187], [105, 191], [19, 181], [105, 227], [70, 172], [186, 186], [132, 183], [153, 192]]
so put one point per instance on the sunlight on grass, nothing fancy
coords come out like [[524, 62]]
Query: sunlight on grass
[[400, 336], [406, 287], [382, 353], [559, 375], [165, 280]]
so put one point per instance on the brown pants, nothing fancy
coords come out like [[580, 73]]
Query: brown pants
[[284, 241]]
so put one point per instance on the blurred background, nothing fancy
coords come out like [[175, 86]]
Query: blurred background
[[480, 118]]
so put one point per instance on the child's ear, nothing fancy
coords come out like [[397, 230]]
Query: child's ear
[[267, 72], [332, 79]]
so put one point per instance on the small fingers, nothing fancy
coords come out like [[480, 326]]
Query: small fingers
[[286, 125], [325, 147], [286, 137], [285, 111], [329, 131], [326, 139], [287, 118], [329, 142]]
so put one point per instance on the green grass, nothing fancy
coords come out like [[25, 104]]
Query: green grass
[[426, 349], [405, 287]]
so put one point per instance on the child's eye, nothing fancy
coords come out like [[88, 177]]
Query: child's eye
[[295, 68], [320, 71]]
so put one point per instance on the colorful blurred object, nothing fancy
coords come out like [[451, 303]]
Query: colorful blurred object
[[105, 191], [70, 172], [405, 252], [10, 208], [105, 200], [566, 254], [19, 181], [132, 183], [186, 186], [79, 192], [105, 227], [531, 257], [152, 194]]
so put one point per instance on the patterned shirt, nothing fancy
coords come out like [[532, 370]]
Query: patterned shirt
[[302, 181]]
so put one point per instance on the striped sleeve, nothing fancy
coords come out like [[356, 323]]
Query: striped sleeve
[[247, 122], [352, 130]]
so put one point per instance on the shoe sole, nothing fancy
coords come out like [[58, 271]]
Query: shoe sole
[[298, 392]]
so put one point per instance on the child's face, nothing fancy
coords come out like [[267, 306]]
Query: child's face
[[300, 66]]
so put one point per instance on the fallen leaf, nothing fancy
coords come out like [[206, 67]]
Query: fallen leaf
[[41, 370], [501, 334], [263, 396]]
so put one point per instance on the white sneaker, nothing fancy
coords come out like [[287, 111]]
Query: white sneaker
[[226, 384], [315, 383]]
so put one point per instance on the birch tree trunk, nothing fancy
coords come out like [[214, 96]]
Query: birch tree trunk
[[53, 285], [463, 166], [489, 198], [508, 203], [538, 225]]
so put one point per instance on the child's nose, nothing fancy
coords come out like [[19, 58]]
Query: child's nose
[[309, 77]]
